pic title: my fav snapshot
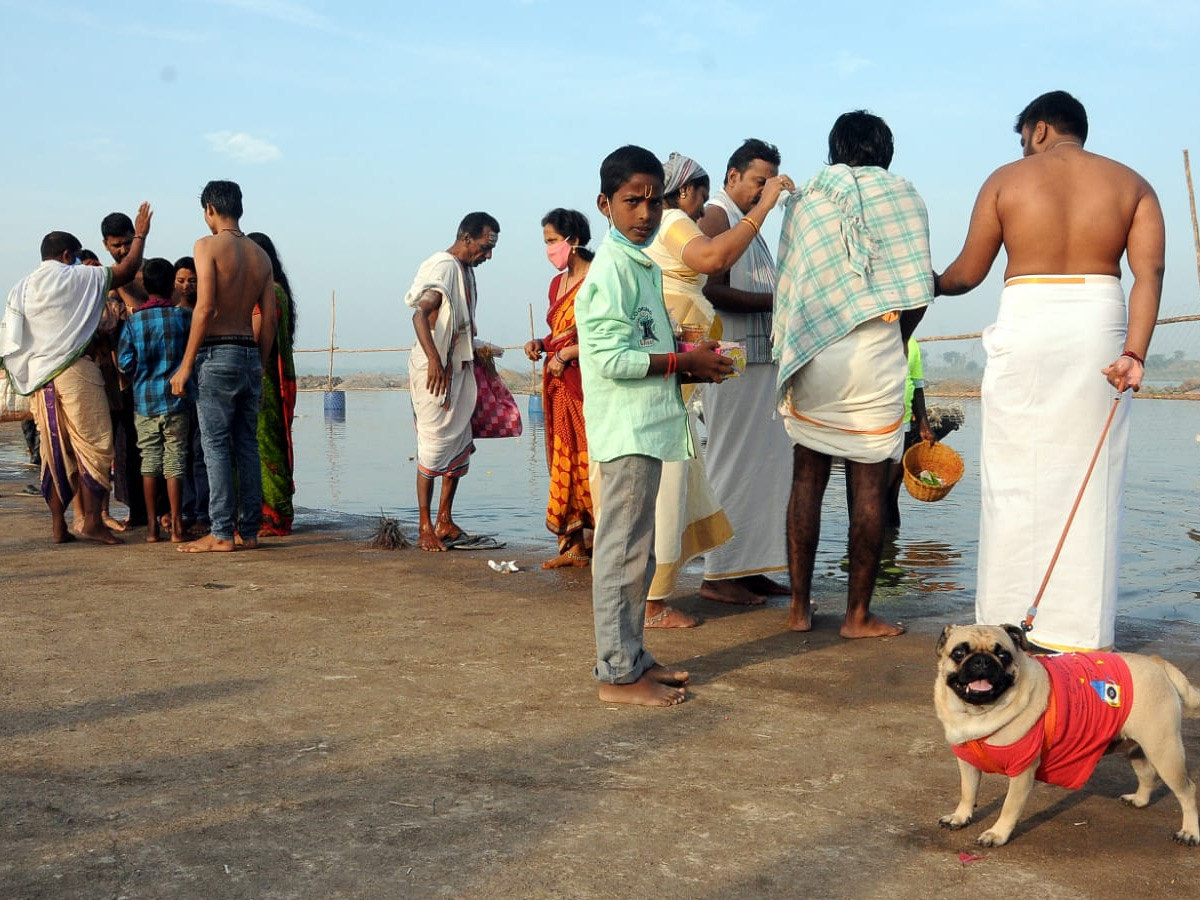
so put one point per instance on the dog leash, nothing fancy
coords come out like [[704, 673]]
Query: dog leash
[[1027, 625]]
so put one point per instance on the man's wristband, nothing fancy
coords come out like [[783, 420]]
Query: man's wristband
[[136, 236], [1141, 362]]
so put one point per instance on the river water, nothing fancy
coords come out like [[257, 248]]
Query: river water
[[364, 466]]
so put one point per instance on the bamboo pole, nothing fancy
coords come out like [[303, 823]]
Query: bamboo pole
[[532, 364], [332, 328], [1187, 170]]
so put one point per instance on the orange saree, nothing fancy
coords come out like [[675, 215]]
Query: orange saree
[[569, 508]]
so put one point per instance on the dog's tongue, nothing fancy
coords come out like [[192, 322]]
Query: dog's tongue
[[982, 686]]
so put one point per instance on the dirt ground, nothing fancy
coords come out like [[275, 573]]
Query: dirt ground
[[317, 719]]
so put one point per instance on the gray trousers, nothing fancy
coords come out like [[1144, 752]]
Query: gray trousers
[[623, 565]]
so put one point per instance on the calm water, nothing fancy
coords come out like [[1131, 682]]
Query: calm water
[[365, 466]]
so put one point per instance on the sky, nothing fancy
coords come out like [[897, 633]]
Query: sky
[[362, 132]]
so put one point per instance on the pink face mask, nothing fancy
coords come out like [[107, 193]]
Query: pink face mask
[[559, 253]]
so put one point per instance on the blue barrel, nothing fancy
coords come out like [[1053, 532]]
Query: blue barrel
[[335, 406]]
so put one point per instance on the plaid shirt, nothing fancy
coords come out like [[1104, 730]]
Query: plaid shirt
[[153, 341], [855, 245]]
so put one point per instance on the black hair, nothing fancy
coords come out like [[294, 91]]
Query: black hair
[[752, 149], [185, 262], [158, 277], [474, 224], [87, 256], [279, 275], [116, 225], [1060, 111], [702, 182], [859, 138], [625, 162], [56, 243], [225, 197], [571, 223]]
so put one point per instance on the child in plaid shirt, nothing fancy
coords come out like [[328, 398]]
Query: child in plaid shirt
[[152, 345]]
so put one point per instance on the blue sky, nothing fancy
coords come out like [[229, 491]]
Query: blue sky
[[361, 132]]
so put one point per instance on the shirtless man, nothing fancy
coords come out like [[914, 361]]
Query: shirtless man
[[234, 281], [1065, 217], [749, 455]]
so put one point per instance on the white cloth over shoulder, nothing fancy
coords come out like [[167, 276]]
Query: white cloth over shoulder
[[456, 283], [49, 318], [1044, 405]]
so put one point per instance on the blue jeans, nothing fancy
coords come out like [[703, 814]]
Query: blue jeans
[[229, 388], [623, 566]]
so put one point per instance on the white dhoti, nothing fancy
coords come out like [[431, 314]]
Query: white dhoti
[[444, 438], [1044, 405], [848, 400], [749, 464]]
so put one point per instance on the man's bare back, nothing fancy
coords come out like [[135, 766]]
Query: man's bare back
[[237, 275], [1064, 211]]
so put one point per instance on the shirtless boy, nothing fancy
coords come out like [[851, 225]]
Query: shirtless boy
[[1062, 342], [233, 277]]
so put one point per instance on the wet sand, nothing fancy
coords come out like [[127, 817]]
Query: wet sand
[[317, 719]]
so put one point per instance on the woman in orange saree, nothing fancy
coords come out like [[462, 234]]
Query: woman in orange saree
[[569, 507]]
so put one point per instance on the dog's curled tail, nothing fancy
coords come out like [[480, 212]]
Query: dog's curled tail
[[1188, 693]]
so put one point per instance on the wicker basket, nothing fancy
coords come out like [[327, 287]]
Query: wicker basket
[[13, 407], [936, 458]]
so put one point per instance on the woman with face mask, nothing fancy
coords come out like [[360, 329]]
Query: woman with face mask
[[569, 509]]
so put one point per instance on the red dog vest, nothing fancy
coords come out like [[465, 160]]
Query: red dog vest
[[1090, 698]]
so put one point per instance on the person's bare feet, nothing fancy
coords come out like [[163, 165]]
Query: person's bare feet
[[178, 532], [110, 523], [767, 587], [429, 541], [643, 692], [800, 617], [60, 533], [151, 535], [869, 627], [663, 675], [730, 591], [241, 543], [659, 615], [101, 535], [573, 556], [210, 543]]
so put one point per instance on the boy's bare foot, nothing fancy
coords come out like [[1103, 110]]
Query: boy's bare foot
[[730, 591], [151, 535], [659, 615], [60, 533], [643, 692], [428, 540], [869, 627], [800, 618], [210, 543], [241, 543], [101, 535], [664, 675], [768, 587], [110, 523]]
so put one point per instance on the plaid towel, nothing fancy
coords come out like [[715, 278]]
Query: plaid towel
[[854, 246]]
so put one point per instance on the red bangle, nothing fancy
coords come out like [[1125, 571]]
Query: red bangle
[[1141, 362], [672, 364]]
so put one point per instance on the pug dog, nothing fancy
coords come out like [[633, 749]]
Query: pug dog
[[1052, 718]]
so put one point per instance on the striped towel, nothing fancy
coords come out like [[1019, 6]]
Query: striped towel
[[854, 246]]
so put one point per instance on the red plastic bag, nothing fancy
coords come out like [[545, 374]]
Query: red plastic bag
[[496, 413]]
